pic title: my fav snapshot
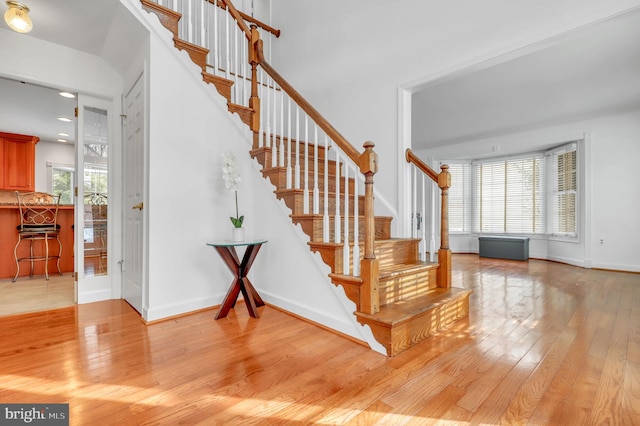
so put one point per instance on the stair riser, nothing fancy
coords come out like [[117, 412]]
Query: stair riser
[[295, 201], [397, 338], [263, 154], [333, 255], [313, 226], [407, 286], [264, 159], [278, 178]]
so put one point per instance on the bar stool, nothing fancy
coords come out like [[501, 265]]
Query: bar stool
[[38, 222]]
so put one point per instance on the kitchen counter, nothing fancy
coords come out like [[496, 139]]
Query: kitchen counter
[[10, 219]]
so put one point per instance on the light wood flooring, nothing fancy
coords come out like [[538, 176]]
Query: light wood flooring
[[545, 344], [36, 294]]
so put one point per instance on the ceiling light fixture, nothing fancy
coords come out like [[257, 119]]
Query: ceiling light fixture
[[63, 134], [61, 140], [17, 17], [67, 95], [65, 119]]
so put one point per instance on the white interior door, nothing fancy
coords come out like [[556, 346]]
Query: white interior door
[[92, 223], [134, 213]]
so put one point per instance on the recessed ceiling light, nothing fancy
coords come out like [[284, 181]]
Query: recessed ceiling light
[[61, 140], [63, 134], [65, 119], [67, 95]]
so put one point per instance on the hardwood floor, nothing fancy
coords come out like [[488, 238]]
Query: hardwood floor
[[36, 294], [545, 344]]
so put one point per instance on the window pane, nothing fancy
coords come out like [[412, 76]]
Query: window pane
[[63, 184]]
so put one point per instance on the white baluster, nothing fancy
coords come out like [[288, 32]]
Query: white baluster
[[305, 193], [289, 153], [414, 203], [316, 192], [261, 95], [297, 168], [325, 210], [236, 63], [190, 19], [267, 106], [336, 221], [346, 249], [216, 41], [356, 243], [281, 156], [423, 255], [245, 76], [227, 47], [274, 128], [203, 32]]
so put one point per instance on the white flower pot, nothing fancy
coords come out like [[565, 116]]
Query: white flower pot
[[237, 234]]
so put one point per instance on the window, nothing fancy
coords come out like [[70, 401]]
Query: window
[[61, 180], [562, 191], [509, 196], [460, 198], [529, 194]]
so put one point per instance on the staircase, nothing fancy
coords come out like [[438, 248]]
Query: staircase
[[402, 298]]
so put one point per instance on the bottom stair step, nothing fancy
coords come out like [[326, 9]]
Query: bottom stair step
[[401, 325]]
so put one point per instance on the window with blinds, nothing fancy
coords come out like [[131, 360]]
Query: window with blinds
[[530, 194], [460, 198], [562, 191], [509, 196]]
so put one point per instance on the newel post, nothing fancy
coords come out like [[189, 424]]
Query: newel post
[[444, 254], [254, 100], [369, 268]]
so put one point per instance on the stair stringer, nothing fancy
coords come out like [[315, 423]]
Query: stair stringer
[[319, 280]]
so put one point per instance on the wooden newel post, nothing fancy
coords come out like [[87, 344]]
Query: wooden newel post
[[444, 254], [254, 100], [369, 268]]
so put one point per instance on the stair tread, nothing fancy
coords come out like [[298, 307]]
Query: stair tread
[[397, 269], [395, 313]]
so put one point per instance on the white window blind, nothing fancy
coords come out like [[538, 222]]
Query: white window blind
[[562, 191], [509, 195], [460, 197]]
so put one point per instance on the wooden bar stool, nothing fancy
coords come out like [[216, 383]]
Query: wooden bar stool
[[38, 222]]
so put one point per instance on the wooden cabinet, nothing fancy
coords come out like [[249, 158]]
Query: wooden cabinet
[[17, 159]]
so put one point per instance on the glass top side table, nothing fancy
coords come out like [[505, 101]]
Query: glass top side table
[[240, 269]]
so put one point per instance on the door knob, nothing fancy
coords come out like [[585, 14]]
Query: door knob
[[138, 206]]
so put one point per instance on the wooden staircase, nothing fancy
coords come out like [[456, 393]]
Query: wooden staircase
[[414, 298]]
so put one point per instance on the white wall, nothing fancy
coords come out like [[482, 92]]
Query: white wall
[[188, 206], [610, 195], [350, 58], [51, 152]]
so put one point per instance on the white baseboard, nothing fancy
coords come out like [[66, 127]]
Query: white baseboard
[[171, 310]]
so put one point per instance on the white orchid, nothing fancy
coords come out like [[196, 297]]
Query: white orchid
[[231, 180]]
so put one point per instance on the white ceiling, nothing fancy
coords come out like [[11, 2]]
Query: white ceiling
[[590, 71], [80, 24]]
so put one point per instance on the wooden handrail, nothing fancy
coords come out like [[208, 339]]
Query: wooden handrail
[[222, 4], [414, 159], [322, 122], [237, 16]]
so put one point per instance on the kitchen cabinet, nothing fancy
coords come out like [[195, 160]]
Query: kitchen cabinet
[[17, 159]]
